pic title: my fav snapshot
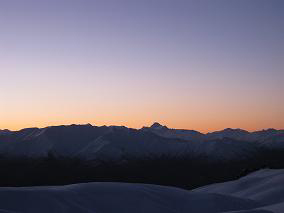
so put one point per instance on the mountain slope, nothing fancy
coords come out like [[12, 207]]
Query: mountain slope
[[237, 134], [80, 140], [265, 186], [259, 192], [111, 197], [86, 153]]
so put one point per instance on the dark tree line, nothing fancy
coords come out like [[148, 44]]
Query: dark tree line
[[183, 171]]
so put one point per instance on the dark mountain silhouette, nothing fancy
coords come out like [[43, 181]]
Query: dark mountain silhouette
[[83, 153], [157, 125], [238, 134]]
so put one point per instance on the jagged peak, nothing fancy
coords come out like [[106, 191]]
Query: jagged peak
[[157, 125]]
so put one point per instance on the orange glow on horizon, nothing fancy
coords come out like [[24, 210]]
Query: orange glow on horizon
[[198, 127], [133, 63]]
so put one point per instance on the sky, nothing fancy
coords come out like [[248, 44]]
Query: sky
[[191, 64]]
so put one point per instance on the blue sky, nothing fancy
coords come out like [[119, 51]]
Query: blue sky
[[189, 64]]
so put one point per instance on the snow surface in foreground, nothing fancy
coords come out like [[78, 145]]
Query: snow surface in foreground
[[265, 186], [259, 192]]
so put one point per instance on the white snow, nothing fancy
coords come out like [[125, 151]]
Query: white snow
[[259, 192], [116, 197], [265, 186]]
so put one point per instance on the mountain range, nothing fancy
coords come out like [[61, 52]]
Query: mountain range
[[89, 141], [238, 134], [153, 155]]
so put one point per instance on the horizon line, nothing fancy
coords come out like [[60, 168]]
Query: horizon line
[[85, 124]]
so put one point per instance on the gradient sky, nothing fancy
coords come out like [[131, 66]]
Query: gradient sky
[[203, 64]]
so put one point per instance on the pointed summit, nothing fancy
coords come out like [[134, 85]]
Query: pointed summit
[[156, 125]]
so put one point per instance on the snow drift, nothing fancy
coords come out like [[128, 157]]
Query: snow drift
[[259, 192]]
